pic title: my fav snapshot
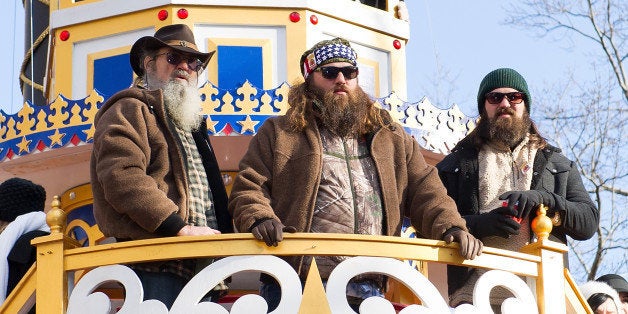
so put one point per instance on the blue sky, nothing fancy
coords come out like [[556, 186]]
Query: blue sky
[[471, 39], [467, 36]]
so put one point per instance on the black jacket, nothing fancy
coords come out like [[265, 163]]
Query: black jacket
[[22, 257], [553, 173]]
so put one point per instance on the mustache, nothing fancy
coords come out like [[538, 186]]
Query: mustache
[[507, 110], [181, 73], [341, 88]]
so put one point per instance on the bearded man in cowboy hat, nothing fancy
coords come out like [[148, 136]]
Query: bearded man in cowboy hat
[[153, 169]]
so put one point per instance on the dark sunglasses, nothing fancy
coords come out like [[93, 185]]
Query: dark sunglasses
[[495, 98], [330, 73], [194, 63]]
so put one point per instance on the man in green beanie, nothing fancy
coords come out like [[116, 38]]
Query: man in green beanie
[[500, 173]]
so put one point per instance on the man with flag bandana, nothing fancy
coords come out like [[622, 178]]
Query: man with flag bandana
[[336, 163]]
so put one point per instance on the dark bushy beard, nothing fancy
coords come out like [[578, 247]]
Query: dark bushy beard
[[344, 115], [183, 103], [508, 132]]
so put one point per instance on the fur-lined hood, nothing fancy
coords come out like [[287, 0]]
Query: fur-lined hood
[[592, 287]]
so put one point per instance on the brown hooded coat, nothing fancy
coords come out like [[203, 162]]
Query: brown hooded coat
[[280, 174]]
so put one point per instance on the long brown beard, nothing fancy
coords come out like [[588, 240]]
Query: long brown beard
[[508, 132], [343, 115]]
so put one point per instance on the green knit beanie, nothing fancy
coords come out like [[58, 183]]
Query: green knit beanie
[[503, 77]]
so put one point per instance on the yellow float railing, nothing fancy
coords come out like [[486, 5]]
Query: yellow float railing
[[59, 256]]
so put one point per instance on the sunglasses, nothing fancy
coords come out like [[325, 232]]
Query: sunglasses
[[495, 98], [194, 63], [330, 73]]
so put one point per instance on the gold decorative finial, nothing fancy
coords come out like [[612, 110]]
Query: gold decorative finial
[[56, 216], [541, 224]]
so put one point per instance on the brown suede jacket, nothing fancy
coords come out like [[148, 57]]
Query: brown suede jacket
[[280, 174], [138, 171]]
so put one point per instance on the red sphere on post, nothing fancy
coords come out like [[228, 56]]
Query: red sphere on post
[[397, 44], [182, 13], [162, 15], [295, 17], [64, 35]]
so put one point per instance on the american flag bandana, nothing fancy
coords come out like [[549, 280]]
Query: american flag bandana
[[328, 51]]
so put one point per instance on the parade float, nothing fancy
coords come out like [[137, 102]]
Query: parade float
[[78, 57]]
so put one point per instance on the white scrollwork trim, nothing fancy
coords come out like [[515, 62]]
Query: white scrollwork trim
[[523, 302], [337, 284], [211, 275], [83, 299], [432, 301]]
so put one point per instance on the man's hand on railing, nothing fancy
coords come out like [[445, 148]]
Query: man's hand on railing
[[470, 247], [270, 231], [196, 230]]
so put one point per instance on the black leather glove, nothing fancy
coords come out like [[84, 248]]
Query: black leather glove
[[523, 202], [497, 222], [270, 231], [470, 247]]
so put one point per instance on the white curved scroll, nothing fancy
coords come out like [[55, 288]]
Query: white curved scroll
[[337, 284], [523, 302], [84, 300], [210, 276]]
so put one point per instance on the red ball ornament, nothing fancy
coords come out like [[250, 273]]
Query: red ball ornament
[[64, 35], [162, 15], [295, 17], [397, 44], [182, 13], [314, 19]]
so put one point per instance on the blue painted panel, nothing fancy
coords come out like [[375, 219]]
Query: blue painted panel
[[85, 213], [236, 64], [112, 74]]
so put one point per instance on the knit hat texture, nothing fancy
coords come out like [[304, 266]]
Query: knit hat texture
[[503, 77], [20, 196], [327, 51]]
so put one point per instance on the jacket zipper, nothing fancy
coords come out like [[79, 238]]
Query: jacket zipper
[[351, 187]]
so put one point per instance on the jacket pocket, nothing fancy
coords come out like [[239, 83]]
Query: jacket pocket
[[555, 178]]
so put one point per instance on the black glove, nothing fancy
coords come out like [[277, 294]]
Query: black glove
[[523, 202], [270, 231], [470, 247], [497, 222]]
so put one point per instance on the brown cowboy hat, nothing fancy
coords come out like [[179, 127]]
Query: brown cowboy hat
[[178, 37]]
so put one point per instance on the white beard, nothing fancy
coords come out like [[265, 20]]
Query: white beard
[[183, 105], [182, 101]]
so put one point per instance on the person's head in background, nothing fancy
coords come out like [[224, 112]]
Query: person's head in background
[[620, 285], [18, 197], [601, 297]]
